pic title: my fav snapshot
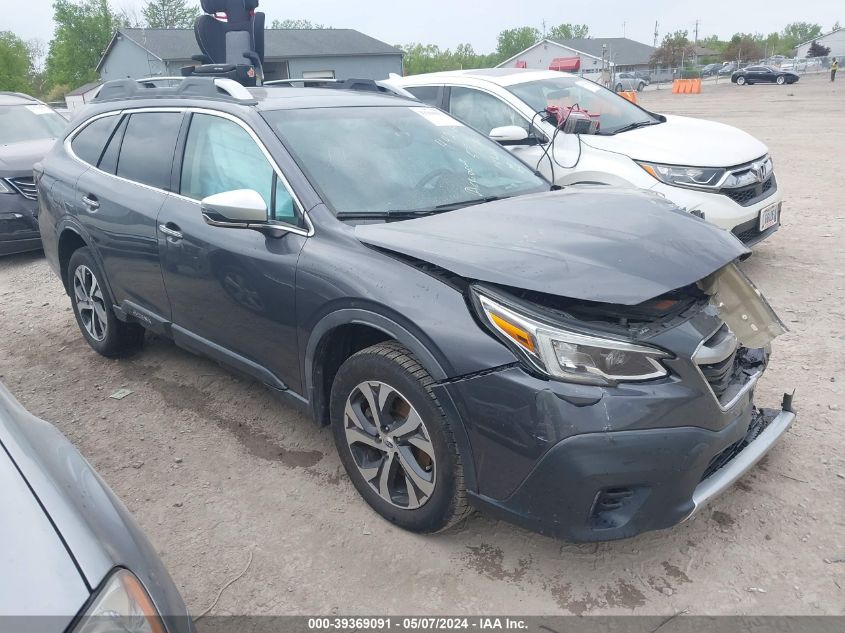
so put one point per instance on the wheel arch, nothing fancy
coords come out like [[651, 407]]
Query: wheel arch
[[72, 237], [344, 332]]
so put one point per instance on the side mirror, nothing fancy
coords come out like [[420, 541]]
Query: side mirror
[[238, 209], [509, 135]]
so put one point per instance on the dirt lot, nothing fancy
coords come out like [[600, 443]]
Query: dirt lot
[[213, 466]]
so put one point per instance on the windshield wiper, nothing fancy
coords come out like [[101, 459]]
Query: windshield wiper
[[630, 126], [404, 214]]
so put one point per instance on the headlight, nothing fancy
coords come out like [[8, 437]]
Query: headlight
[[121, 605], [693, 177], [568, 355], [4, 188]]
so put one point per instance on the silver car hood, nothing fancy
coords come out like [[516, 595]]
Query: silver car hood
[[37, 574]]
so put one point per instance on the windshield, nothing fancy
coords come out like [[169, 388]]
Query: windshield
[[379, 159], [34, 122], [614, 112]]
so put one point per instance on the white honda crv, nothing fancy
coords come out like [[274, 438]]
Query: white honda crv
[[713, 170]]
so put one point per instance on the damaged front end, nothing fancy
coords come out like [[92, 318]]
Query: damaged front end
[[621, 418]]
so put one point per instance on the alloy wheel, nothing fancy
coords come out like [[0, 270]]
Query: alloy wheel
[[390, 444], [90, 304]]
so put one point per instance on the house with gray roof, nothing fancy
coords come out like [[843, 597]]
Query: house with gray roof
[[584, 55], [288, 53]]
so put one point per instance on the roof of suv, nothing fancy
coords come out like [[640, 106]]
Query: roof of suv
[[123, 93], [16, 98]]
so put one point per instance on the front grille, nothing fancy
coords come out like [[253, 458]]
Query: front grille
[[25, 186], [749, 232], [746, 196], [719, 375]]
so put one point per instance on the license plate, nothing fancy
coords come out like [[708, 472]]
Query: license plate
[[768, 217]]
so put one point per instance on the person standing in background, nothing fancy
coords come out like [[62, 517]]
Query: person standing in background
[[834, 66]]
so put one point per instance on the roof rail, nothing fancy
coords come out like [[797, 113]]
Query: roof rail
[[362, 85], [188, 87]]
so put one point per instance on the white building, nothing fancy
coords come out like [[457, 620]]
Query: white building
[[77, 98], [584, 55], [835, 41]]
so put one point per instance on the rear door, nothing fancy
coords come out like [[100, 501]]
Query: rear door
[[121, 198], [232, 290]]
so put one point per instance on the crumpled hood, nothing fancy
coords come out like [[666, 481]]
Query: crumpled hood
[[18, 158], [590, 243], [684, 141]]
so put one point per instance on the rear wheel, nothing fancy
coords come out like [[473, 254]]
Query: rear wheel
[[92, 307], [781, 80], [640, 86], [618, 87], [395, 441]]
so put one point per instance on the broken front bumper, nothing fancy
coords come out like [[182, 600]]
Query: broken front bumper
[[572, 474], [742, 457]]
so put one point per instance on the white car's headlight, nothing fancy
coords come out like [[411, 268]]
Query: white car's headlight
[[568, 355], [679, 176], [121, 605]]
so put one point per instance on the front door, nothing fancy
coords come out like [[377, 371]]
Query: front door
[[232, 290]]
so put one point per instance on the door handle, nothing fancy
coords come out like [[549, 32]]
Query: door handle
[[91, 202], [171, 230]]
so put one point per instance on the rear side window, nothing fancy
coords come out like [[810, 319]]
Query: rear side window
[[426, 94], [108, 161], [89, 143], [146, 154]]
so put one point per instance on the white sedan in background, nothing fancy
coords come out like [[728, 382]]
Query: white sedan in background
[[710, 169]]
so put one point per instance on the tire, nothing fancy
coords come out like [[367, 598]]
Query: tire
[[740, 81], [389, 374], [640, 87], [92, 307], [618, 87], [780, 80]]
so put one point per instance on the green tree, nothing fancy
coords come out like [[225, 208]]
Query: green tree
[[513, 41], [16, 65], [817, 50], [569, 31], [170, 14], [799, 32], [296, 24], [83, 31], [743, 47], [430, 58], [674, 50]]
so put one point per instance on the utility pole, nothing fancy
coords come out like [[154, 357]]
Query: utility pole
[[696, 30], [623, 29], [655, 33]]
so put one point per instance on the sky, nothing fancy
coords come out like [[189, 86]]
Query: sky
[[448, 23]]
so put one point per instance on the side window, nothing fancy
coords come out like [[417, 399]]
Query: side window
[[426, 94], [221, 156], [146, 154], [482, 111], [88, 144], [108, 162]]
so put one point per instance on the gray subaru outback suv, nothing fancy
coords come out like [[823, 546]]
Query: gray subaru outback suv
[[555, 357]]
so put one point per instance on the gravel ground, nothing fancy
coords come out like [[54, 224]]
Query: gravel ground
[[213, 466]]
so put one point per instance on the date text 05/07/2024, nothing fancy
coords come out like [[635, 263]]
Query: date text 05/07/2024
[[416, 623]]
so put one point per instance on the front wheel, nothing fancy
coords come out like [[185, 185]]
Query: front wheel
[[781, 80], [394, 440], [640, 87], [618, 87], [740, 81], [93, 309]]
